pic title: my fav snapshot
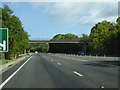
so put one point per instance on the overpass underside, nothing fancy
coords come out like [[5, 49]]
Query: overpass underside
[[68, 47]]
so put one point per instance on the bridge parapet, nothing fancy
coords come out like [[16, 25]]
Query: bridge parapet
[[54, 41], [58, 41]]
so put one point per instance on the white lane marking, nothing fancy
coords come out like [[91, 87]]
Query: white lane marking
[[1, 86], [77, 73], [59, 63]]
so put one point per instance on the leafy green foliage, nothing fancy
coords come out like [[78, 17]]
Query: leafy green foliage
[[84, 37], [68, 36], [104, 37], [40, 48], [18, 37]]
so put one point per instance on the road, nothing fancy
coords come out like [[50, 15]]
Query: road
[[61, 71]]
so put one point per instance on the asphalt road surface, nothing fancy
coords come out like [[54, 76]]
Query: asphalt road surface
[[61, 71]]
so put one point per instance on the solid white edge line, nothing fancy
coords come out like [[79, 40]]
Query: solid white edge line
[[1, 86], [77, 73]]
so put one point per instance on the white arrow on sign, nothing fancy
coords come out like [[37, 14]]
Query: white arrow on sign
[[3, 45]]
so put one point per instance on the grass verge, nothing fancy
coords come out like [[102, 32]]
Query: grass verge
[[5, 61]]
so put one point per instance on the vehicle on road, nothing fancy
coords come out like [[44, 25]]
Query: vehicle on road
[[81, 53], [36, 52]]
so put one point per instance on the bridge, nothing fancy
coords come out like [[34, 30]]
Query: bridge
[[57, 41], [67, 46], [54, 41]]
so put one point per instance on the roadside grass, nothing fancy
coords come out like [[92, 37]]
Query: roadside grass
[[8, 61], [5, 61], [2, 62]]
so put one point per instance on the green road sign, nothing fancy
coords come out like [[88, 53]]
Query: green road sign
[[3, 39]]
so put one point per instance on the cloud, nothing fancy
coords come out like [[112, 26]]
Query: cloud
[[80, 12]]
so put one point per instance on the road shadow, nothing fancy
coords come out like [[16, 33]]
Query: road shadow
[[104, 63]]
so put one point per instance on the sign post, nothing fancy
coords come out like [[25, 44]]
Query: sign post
[[3, 39]]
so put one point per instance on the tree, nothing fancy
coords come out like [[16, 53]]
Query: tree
[[99, 35], [85, 37], [85, 43], [105, 38], [68, 36], [18, 37], [113, 44], [40, 47]]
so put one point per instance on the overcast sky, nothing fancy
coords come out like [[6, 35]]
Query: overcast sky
[[43, 20]]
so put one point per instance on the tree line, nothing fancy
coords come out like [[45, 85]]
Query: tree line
[[105, 38], [102, 40], [39, 47], [18, 37]]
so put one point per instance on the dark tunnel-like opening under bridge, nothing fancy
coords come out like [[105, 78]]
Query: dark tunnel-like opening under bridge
[[63, 46]]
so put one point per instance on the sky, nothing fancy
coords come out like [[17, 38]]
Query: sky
[[43, 20]]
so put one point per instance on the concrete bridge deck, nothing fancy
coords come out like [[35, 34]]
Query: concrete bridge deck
[[54, 41]]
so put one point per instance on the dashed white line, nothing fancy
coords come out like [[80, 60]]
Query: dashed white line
[[1, 86], [77, 73], [59, 63]]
